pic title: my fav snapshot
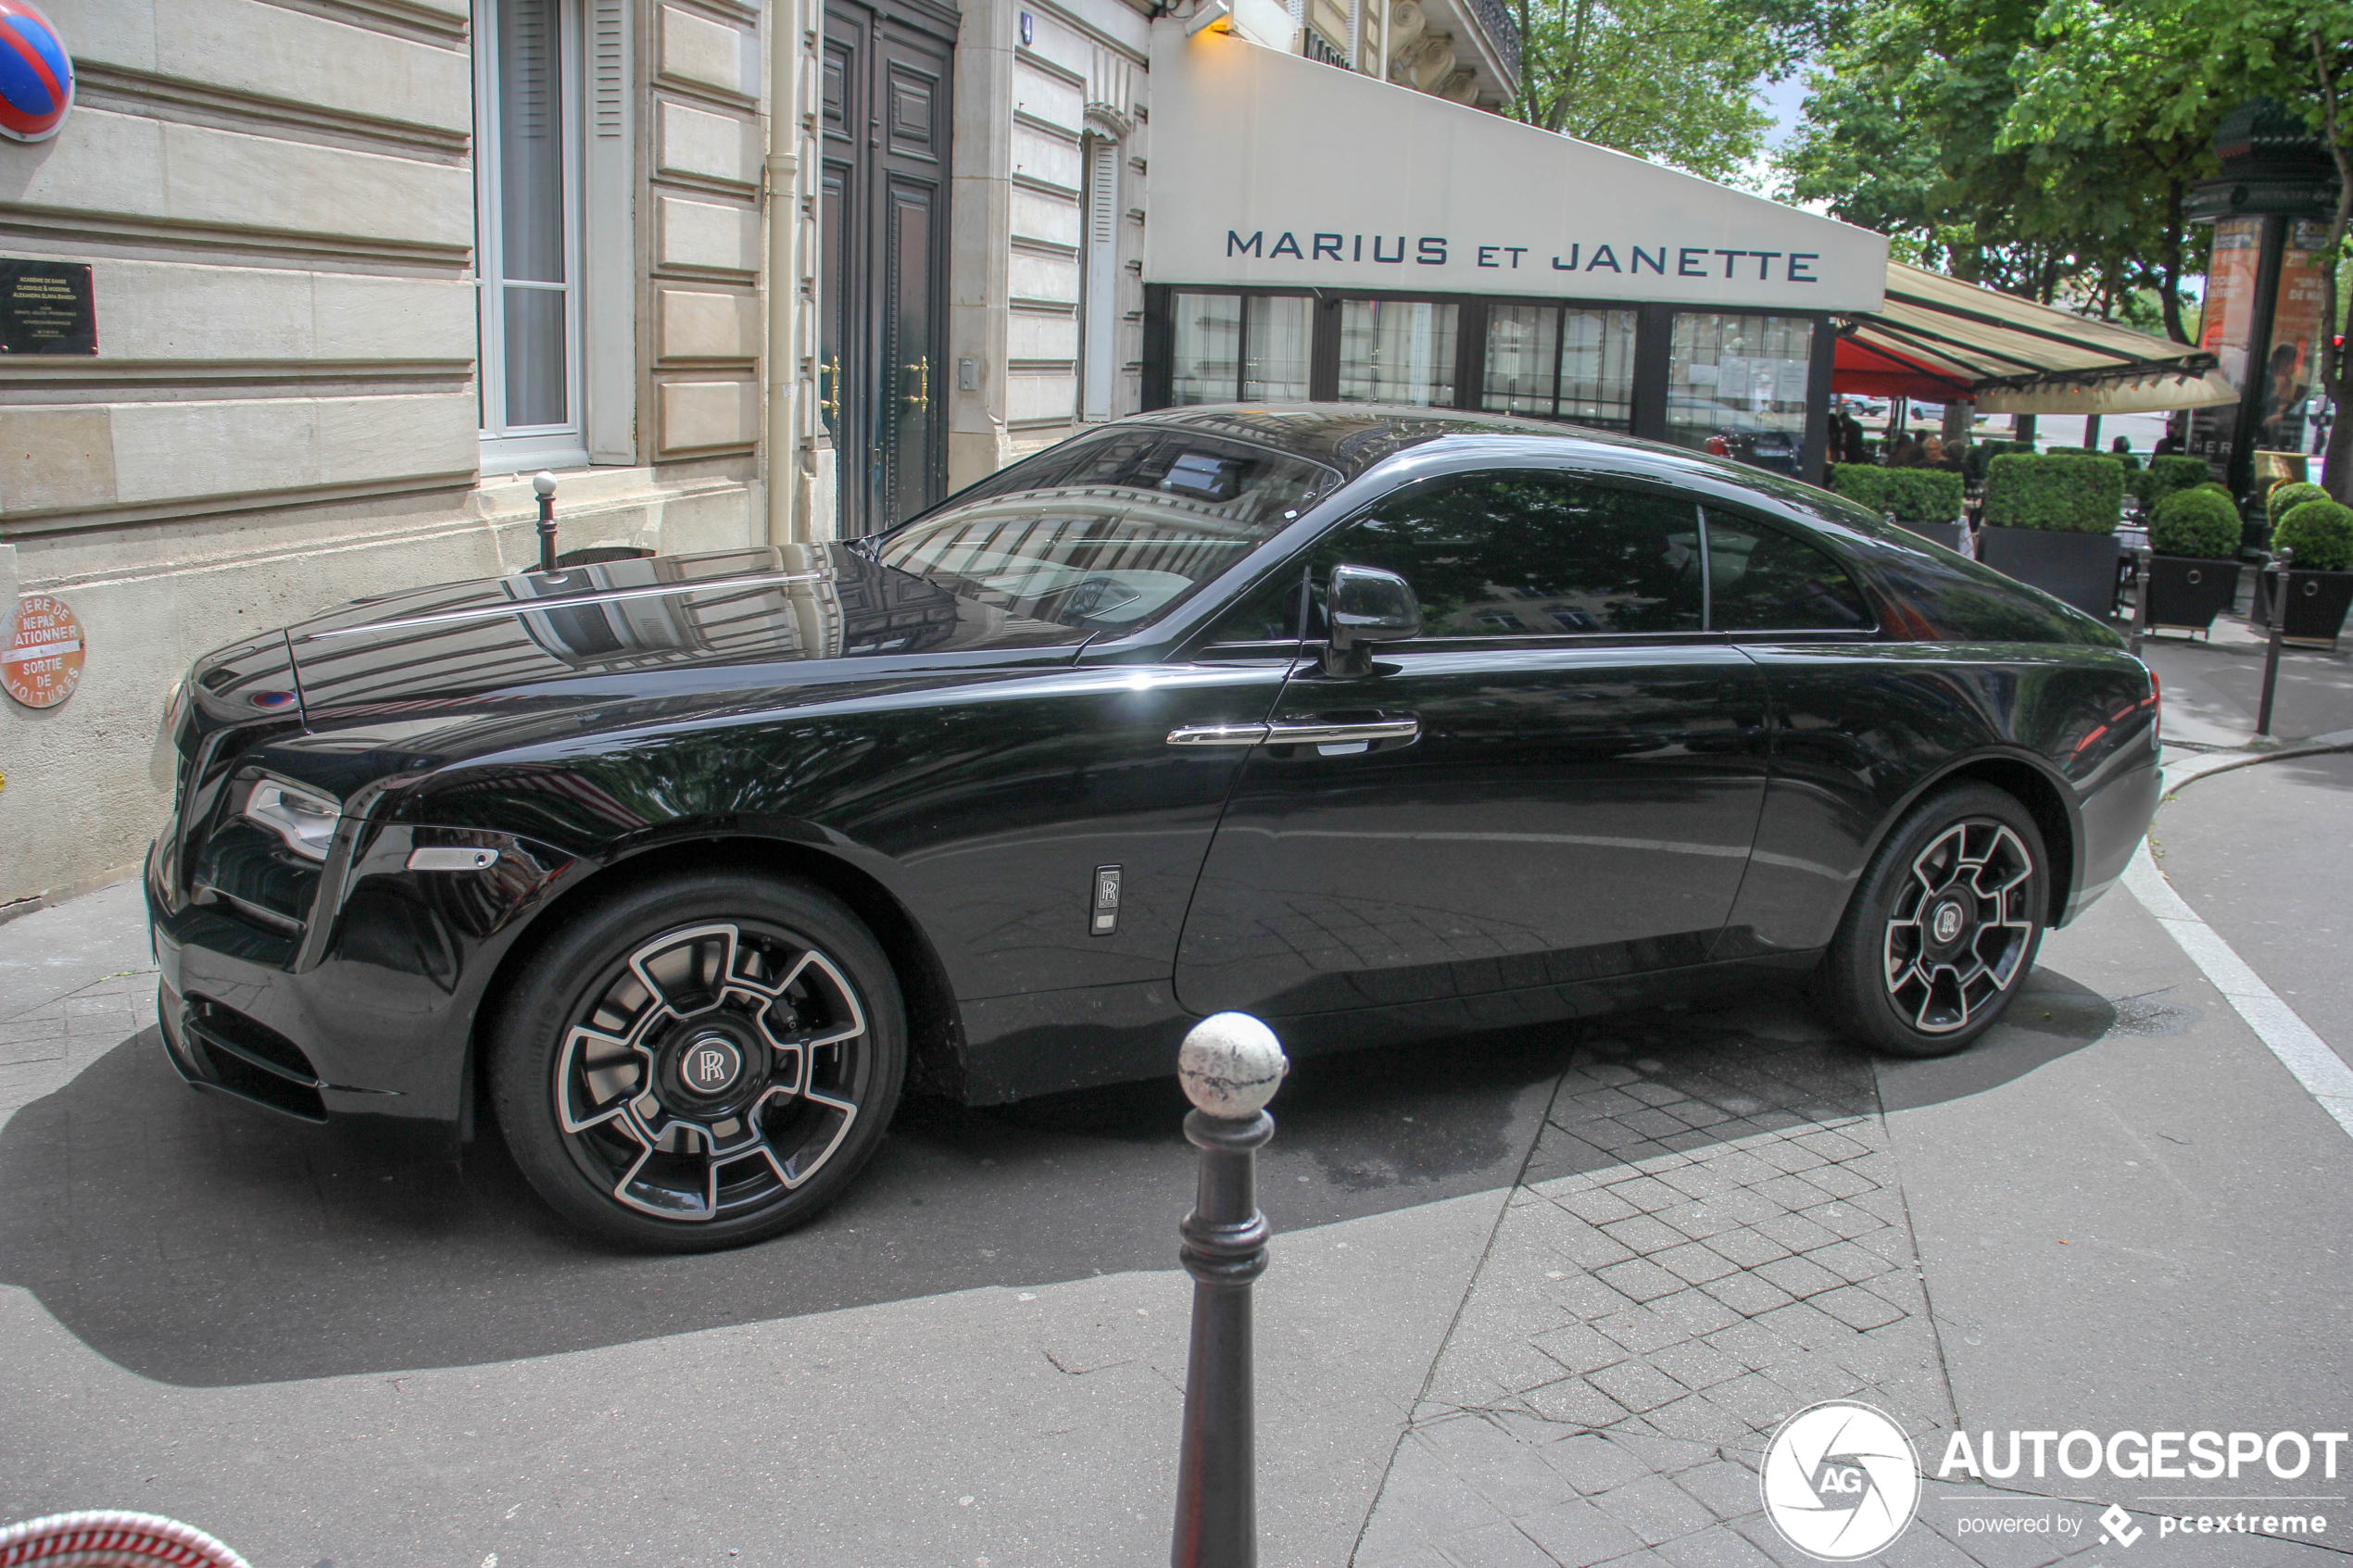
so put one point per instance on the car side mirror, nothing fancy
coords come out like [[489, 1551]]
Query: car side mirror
[[1364, 606]]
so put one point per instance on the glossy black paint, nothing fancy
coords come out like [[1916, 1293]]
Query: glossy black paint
[[1569, 813], [1583, 821]]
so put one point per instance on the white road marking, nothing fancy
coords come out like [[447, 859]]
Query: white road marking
[[2322, 1072]]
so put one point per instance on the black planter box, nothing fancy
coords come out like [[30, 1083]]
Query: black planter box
[[1949, 534], [2076, 569], [2316, 605], [2190, 591]]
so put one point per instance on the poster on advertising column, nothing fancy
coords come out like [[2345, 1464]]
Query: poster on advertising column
[[2230, 294], [2292, 363], [2227, 326]]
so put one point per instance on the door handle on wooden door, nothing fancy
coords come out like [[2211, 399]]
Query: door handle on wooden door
[[920, 399]]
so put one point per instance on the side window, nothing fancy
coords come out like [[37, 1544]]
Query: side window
[[1763, 580], [1268, 615], [1519, 556]]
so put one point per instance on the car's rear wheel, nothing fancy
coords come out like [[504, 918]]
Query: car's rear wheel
[[699, 1063], [1943, 927]]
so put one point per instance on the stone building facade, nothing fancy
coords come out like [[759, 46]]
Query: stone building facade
[[739, 271]]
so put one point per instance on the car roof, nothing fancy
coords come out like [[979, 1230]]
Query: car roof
[[1355, 437]]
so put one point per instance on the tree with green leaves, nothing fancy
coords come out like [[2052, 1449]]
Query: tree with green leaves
[[1672, 80], [2092, 73], [2163, 72], [1908, 131]]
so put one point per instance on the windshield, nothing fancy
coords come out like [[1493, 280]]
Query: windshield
[[1109, 532]]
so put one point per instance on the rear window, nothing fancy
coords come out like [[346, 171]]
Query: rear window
[[1762, 580]]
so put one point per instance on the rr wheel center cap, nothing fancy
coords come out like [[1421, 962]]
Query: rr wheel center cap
[[711, 1064], [709, 1070], [1946, 923]]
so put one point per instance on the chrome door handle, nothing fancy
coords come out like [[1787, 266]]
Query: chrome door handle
[[1356, 736], [1340, 735], [1217, 734]]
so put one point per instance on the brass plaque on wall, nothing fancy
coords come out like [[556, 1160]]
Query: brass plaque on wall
[[48, 308]]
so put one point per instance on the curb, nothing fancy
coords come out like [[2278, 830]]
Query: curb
[[49, 898], [2213, 762]]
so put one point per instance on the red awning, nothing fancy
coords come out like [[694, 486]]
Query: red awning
[[1869, 369], [1940, 340]]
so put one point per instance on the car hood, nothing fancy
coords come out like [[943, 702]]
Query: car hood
[[673, 623]]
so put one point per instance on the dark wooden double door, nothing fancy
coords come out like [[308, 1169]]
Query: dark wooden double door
[[883, 378]]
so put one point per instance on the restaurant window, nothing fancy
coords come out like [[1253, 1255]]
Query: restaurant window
[[1276, 331], [527, 217], [1226, 347], [1561, 362], [1736, 386], [1397, 351]]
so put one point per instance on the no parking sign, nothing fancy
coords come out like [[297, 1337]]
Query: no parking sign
[[41, 663]]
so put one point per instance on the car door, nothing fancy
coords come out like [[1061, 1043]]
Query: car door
[[1559, 782], [1858, 722]]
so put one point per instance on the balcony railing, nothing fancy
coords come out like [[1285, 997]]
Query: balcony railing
[[1315, 46], [1504, 29]]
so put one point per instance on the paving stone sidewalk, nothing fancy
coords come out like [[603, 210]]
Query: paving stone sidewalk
[[1709, 1237]]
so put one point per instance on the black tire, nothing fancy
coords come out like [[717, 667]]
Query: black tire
[[1943, 926], [632, 1014]]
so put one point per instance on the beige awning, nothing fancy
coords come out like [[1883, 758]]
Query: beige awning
[[1938, 338]]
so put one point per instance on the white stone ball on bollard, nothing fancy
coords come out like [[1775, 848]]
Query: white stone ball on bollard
[[1232, 1064], [543, 482]]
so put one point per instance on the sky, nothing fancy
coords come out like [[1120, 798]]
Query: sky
[[1782, 100]]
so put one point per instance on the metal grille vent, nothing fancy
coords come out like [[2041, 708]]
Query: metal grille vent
[[605, 49], [1102, 192]]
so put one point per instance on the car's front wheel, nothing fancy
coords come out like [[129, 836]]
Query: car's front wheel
[[1943, 927], [699, 1063]]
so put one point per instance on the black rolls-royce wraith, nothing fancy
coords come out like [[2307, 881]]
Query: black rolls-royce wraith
[[1379, 723]]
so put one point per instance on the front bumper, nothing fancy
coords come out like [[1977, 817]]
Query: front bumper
[[365, 1014]]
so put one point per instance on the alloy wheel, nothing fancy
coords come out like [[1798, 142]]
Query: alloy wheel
[[716, 1069], [1960, 926]]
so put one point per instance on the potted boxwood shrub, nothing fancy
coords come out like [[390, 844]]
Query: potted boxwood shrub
[[2320, 585], [2164, 475], [2282, 498], [2293, 494], [2051, 523], [2193, 567], [1922, 501]]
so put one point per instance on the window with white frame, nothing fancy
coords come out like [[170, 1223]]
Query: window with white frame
[[527, 232]]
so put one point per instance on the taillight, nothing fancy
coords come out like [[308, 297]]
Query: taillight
[[2156, 708]]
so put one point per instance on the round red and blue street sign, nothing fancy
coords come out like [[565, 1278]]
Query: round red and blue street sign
[[36, 74]]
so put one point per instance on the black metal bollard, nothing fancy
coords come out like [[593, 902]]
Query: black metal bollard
[[544, 484], [2278, 566], [2143, 569], [1232, 1064]]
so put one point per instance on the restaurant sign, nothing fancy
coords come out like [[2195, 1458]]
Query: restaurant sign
[[1439, 197]]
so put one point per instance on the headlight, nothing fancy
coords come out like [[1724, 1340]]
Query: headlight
[[163, 763], [304, 818]]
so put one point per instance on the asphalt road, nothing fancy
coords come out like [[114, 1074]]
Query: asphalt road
[[2127, 1215], [282, 1247], [2265, 854]]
